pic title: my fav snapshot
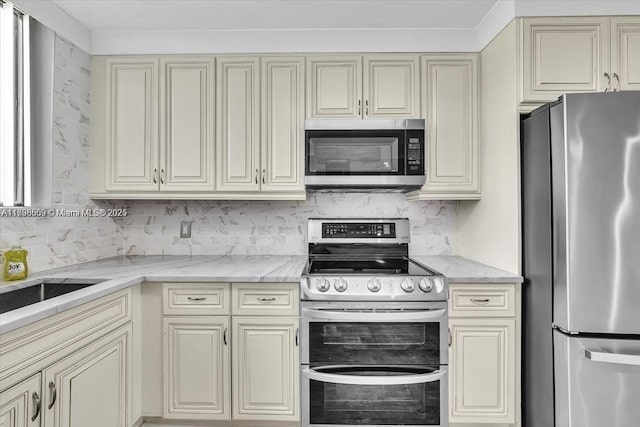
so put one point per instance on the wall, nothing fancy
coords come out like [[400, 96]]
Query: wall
[[57, 241], [489, 230], [276, 227]]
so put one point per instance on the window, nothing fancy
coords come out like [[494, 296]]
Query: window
[[15, 128]]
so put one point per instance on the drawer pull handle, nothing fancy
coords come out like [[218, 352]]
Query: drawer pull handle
[[52, 392], [297, 337], [197, 299], [36, 405], [224, 336], [266, 300], [480, 300]]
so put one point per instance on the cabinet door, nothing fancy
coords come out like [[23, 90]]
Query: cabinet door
[[282, 136], [265, 368], [196, 368], [482, 370], [20, 406], [391, 86], [334, 87], [562, 55], [237, 149], [625, 52], [131, 124], [186, 131], [94, 380], [450, 103]]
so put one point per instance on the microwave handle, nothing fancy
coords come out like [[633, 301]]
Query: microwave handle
[[373, 380], [346, 316]]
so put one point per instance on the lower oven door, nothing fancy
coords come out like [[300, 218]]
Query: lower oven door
[[374, 396]]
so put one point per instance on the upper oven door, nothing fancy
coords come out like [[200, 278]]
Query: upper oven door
[[334, 335], [355, 152]]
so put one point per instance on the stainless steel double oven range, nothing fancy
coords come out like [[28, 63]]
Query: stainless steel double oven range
[[374, 335]]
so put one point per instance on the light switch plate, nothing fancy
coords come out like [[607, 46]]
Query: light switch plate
[[185, 229]]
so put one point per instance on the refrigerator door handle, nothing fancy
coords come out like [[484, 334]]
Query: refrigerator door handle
[[606, 357]]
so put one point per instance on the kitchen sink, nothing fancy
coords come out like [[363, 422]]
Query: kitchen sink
[[40, 291]]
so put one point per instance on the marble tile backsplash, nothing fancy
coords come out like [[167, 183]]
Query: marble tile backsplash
[[58, 241], [275, 227], [152, 227]]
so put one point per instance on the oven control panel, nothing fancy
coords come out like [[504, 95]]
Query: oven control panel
[[358, 230]]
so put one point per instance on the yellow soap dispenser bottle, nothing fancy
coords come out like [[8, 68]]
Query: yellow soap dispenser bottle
[[15, 264]]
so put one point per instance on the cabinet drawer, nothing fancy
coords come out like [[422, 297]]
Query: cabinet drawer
[[195, 298], [471, 300], [277, 299]]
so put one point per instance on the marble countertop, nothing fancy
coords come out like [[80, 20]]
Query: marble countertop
[[462, 270], [121, 272]]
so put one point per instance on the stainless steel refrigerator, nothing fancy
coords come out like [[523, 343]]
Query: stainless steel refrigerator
[[581, 261]]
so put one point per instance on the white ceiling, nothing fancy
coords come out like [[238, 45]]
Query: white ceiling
[[105, 27], [189, 15]]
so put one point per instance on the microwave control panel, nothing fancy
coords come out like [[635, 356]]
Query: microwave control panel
[[415, 155]]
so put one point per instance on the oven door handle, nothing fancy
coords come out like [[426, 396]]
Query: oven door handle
[[346, 316], [373, 380]]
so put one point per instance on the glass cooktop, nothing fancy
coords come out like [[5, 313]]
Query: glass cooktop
[[368, 266]]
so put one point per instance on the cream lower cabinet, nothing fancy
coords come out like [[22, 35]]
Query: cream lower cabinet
[[450, 105], [196, 358], [71, 369], [91, 387], [265, 368], [484, 356], [239, 367], [21, 405]]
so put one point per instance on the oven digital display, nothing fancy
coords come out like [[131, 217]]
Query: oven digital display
[[386, 230]]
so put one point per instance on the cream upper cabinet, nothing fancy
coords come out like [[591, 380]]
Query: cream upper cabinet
[[391, 86], [260, 125], [625, 52], [450, 105], [21, 405], [158, 130], [282, 124], [94, 380], [238, 131], [186, 132], [196, 366], [373, 86], [131, 124], [265, 368], [334, 87], [484, 353], [578, 54]]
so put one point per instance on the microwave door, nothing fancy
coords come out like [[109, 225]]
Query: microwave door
[[356, 153]]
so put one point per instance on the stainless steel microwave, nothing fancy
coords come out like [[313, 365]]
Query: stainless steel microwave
[[365, 154]]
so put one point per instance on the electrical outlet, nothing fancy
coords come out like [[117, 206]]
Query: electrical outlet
[[185, 229]]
